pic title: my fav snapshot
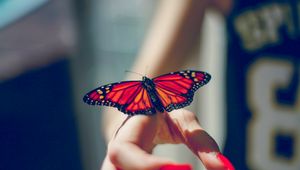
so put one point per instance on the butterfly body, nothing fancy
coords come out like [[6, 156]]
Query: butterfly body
[[164, 93], [149, 85]]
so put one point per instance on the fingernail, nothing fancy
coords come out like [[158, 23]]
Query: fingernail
[[176, 167], [225, 161]]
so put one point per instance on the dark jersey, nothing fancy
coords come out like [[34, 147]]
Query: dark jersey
[[263, 96]]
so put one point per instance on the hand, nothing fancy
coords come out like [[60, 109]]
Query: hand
[[131, 147]]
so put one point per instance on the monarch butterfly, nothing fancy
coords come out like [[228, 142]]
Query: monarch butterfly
[[167, 92]]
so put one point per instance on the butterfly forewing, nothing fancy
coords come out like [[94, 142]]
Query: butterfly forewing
[[129, 97], [176, 90]]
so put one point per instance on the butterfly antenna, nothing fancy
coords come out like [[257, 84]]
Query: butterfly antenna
[[127, 71], [146, 71]]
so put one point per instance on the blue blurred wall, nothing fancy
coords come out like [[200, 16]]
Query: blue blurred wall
[[37, 121]]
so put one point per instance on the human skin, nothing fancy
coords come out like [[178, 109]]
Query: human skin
[[173, 34], [131, 146]]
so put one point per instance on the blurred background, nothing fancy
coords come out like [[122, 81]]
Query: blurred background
[[53, 51]]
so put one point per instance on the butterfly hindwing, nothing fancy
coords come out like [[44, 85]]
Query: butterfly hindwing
[[128, 96], [176, 90]]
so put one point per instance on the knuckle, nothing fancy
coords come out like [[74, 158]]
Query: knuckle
[[185, 116], [189, 116], [113, 152]]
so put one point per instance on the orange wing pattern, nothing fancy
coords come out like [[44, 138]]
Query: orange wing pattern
[[128, 96], [176, 90]]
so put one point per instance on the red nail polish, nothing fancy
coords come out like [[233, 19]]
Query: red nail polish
[[225, 161], [176, 167]]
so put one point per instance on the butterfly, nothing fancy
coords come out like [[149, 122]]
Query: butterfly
[[167, 92]]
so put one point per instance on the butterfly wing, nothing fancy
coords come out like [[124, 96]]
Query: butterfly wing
[[176, 90], [128, 96]]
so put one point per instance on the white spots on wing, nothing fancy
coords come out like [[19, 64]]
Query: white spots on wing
[[99, 91], [193, 74]]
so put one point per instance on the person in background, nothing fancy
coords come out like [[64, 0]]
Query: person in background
[[262, 80]]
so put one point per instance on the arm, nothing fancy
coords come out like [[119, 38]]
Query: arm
[[174, 32]]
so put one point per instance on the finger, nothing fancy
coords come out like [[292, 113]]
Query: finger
[[128, 156], [140, 130], [107, 165], [203, 145], [199, 141], [132, 146]]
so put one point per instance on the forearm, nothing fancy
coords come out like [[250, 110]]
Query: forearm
[[173, 34]]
